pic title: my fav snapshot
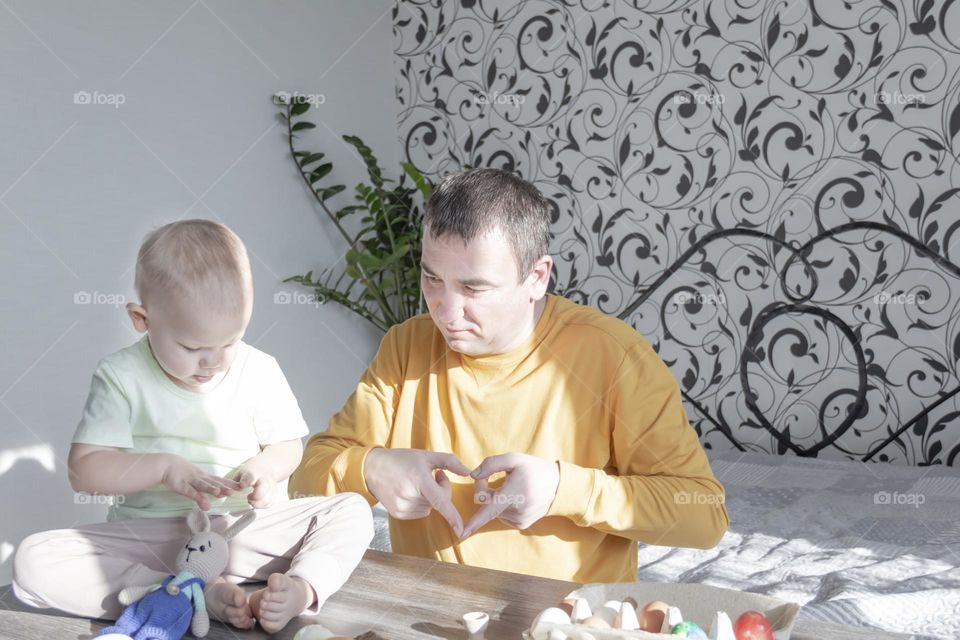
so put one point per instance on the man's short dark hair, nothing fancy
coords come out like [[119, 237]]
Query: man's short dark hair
[[474, 202]]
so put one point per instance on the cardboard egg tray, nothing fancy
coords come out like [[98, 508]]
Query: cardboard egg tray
[[697, 603]]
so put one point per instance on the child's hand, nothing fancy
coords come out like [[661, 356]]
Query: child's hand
[[264, 486], [190, 481]]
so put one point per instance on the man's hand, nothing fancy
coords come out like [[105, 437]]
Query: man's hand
[[410, 483], [264, 486], [524, 498], [190, 481]]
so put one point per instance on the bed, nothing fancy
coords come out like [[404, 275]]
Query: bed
[[855, 543]]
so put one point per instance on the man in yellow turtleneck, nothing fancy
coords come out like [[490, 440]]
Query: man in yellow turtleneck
[[510, 428]]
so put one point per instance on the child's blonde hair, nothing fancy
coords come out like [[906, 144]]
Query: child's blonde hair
[[197, 259]]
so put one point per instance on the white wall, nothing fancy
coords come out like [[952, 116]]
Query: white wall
[[80, 184]]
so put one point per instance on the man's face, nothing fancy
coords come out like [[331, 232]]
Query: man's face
[[473, 294], [195, 348]]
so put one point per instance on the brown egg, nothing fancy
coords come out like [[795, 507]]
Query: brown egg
[[652, 616], [596, 622], [567, 605], [633, 602]]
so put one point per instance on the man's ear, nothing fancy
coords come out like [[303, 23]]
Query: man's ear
[[138, 315], [539, 277]]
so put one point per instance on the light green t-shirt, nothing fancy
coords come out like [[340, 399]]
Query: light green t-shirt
[[134, 406]]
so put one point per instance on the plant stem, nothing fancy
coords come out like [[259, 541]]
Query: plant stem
[[379, 298]]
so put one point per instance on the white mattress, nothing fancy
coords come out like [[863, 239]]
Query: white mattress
[[859, 544]]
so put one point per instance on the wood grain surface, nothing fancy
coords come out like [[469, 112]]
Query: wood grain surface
[[391, 596]]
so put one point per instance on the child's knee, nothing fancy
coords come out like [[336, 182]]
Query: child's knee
[[34, 570], [347, 509], [356, 508]]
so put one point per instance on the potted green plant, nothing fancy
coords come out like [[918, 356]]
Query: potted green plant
[[380, 279]]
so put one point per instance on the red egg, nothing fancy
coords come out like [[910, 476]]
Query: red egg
[[753, 625]]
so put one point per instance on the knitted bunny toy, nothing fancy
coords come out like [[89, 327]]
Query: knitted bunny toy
[[164, 611]]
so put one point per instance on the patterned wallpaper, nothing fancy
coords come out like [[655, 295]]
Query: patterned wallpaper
[[768, 191]]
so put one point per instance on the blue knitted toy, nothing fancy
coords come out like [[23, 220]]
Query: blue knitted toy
[[165, 611]]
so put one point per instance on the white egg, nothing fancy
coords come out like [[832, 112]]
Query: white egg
[[552, 615], [313, 632], [609, 611]]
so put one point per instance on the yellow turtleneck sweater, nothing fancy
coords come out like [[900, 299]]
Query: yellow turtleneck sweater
[[585, 390]]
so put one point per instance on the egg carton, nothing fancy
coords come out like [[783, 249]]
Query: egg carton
[[697, 603]]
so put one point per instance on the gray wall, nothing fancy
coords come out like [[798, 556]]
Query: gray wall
[[737, 132], [80, 184]]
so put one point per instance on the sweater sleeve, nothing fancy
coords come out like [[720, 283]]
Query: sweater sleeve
[[333, 460], [659, 488]]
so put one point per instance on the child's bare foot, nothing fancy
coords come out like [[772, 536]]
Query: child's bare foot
[[284, 598], [227, 602]]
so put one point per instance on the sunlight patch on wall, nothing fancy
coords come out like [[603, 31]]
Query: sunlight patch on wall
[[42, 454]]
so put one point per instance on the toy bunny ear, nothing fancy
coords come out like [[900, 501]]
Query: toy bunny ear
[[198, 521], [242, 523]]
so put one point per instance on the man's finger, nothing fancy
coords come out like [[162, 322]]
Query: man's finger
[[490, 511], [494, 464], [411, 513], [481, 486], [443, 481], [449, 462], [440, 500]]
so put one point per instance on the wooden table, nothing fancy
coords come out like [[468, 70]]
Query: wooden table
[[391, 596]]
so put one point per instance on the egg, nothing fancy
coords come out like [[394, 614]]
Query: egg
[[313, 632], [688, 629], [653, 615], [552, 615], [609, 611], [567, 606], [476, 623], [597, 622]]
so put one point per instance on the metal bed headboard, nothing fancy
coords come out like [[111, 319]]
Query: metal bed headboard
[[800, 303]]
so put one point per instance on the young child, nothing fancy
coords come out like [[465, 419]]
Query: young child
[[191, 415]]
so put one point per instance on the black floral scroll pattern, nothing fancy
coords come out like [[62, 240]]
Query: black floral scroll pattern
[[767, 190]]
